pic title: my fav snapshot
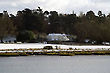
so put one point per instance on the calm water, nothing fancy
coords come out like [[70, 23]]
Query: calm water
[[55, 64]]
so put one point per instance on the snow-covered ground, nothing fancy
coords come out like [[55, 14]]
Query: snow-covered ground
[[40, 45]]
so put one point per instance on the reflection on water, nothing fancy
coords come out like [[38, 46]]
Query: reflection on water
[[55, 64]]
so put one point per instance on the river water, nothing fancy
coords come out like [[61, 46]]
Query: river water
[[55, 64]]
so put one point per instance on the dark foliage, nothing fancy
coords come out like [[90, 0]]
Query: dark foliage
[[25, 36], [84, 26]]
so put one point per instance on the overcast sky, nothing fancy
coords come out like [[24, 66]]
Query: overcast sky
[[62, 6]]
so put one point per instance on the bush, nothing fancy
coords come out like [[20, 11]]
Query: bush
[[25, 36]]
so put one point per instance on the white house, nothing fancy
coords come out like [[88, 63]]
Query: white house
[[57, 37]]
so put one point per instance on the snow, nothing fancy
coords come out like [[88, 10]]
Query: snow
[[41, 45]]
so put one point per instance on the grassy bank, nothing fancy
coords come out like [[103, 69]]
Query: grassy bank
[[60, 53], [13, 54], [92, 53]]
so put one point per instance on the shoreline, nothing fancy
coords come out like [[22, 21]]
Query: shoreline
[[26, 49], [57, 53]]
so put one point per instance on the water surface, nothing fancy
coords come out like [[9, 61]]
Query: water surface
[[55, 64]]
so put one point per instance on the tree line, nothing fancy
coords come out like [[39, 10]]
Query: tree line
[[95, 27]]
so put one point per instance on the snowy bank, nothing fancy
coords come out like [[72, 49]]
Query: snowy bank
[[40, 45]]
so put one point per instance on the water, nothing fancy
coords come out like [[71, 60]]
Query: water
[[55, 64]]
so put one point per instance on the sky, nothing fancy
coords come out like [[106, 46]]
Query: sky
[[61, 6]]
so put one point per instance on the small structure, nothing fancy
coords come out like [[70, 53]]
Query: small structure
[[9, 39], [57, 37], [48, 47]]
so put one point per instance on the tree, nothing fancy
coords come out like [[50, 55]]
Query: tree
[[6, 26], [100, 13], [25, 36], [70, 21], [90, 15], [18, 21], [54, 23], [85, 26]]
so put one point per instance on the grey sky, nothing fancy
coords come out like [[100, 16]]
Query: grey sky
[[62, 6]]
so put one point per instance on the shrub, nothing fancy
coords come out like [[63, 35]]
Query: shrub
[[25, 36]]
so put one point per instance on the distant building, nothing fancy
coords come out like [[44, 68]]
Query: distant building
[[57, 37], [9, 39]]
